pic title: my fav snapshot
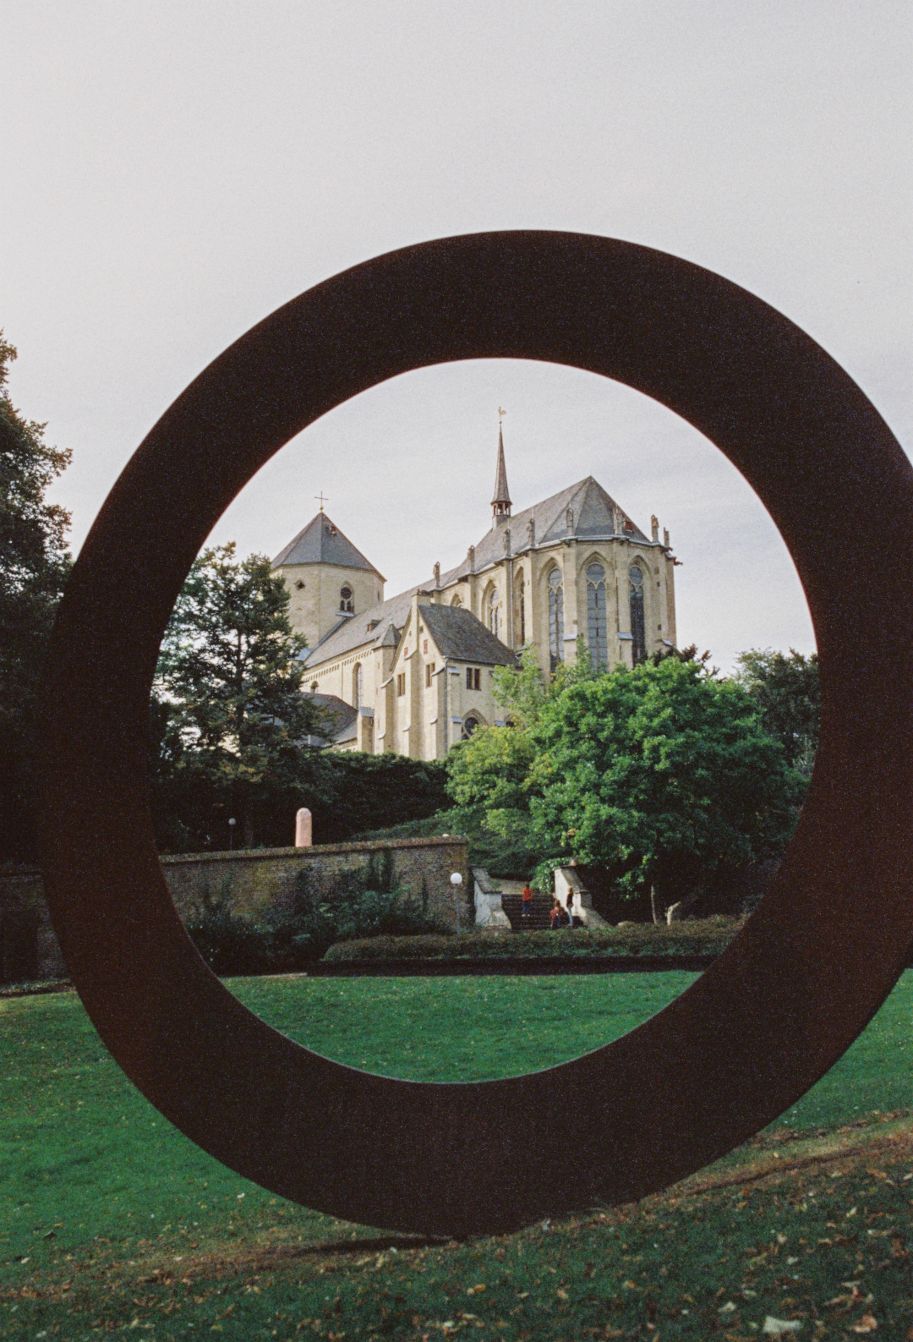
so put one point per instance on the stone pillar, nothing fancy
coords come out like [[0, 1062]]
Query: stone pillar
[[303, 828], [364, 731]]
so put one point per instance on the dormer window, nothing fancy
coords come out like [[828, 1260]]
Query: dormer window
[[346, 600]]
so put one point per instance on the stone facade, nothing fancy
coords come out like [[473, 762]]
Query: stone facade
[[416, 678]]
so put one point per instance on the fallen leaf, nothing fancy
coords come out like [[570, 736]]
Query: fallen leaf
[[867, 1324]]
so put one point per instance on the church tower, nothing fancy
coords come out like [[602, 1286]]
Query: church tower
[[329, 581]]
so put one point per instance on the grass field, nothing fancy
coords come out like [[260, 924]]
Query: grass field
[[111, 1221]]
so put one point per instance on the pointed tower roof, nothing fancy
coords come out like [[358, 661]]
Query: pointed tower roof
[[500, 503], [321, 542]]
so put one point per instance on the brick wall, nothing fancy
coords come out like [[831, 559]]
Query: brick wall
[[249, 881]]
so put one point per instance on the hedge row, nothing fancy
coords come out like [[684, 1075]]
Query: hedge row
[[707, 936]]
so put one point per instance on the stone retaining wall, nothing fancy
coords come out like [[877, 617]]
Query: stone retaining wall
[[248, 882]]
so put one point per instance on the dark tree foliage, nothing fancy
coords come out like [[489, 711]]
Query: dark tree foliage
[[33, 567], [231, 729], [787, 690], [352, 793], [231, 720]]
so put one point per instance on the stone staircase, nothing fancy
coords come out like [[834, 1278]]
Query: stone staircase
[[538, 913]]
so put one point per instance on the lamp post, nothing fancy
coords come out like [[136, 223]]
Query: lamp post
[[231, 832], [456, 881]]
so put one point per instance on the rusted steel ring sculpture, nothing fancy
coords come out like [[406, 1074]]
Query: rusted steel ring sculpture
[[794, 989]]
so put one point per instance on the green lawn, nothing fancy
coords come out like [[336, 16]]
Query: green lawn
[[103, 1202]]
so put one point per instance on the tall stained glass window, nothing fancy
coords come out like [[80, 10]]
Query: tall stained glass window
[[520, 625], [555, 618], [638, 622], [356, 685], [597, 638]]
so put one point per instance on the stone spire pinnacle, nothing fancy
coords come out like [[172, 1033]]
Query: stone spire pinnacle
[[500, 503]]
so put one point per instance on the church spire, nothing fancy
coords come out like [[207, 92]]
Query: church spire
[[500, 503]]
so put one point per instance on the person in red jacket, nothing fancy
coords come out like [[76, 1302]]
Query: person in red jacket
[[527, 901]]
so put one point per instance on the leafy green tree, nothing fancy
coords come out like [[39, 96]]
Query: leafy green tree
[[787, 690], [523, 691], [233, 722], [33, 567], [488, 778], [661, 773]]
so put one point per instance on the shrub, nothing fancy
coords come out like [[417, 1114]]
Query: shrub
[[301, 926], [508, 856], [227, 942], [707, 936]]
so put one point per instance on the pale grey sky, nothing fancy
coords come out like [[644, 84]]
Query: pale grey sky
[[172, 172]]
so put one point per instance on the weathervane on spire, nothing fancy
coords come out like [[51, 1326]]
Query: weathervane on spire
[[501, 413], [322, 498]]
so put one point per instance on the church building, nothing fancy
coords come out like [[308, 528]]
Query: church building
[[413, 673]]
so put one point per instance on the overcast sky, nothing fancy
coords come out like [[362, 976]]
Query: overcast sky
[[173, 172]]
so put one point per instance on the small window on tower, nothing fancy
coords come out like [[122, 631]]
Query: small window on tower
[[401, 684], [473, 678], [346, 599], [429, 672]]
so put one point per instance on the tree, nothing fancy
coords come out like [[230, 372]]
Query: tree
[[523, 691], [33, 567], [662, 773], [787, 690], [232, 719], [488, 775]]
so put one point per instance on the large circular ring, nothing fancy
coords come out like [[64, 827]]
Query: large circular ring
[[793, 990]]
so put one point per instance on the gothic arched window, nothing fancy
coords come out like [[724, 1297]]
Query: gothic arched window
[[470, 724], [346, 599], [520, 613], [555, 618], [494, 612], [597, 639], [356, 685], [638, 621]]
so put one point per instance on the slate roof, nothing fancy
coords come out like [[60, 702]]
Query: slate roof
[[336, 717], [368, 626], [321, 542], [594, 513], [457, 633], [593, 518]]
